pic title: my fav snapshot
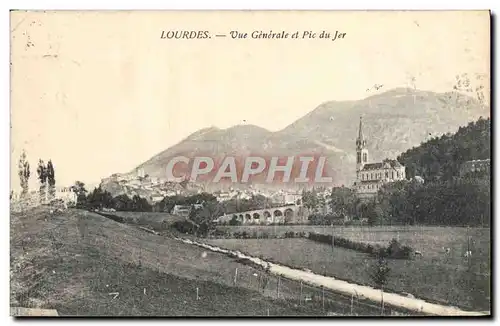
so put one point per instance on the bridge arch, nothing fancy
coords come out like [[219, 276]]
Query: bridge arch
[[268, 217], [248, 217], [256, 216], [289, 215]]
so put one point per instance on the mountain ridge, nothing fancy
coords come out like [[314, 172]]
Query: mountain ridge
[[394, 121]]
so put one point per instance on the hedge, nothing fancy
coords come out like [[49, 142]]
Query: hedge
[[393, 250]]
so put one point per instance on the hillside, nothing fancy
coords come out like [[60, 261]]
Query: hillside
[[442, 157], [77, 262], [394, 121]]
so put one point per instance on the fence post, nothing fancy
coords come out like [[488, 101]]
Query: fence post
[[323, 297], [278, 287], [235, 275], [352, 303], [333, 238], [382, 304], [300, 298]]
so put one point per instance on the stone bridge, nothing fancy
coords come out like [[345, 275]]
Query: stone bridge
[[278, 215]]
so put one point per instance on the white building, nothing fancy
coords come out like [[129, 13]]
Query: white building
[[66, 194], [371, 176]]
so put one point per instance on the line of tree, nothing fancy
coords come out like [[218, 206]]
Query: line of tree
[[46, 177], [461, 201], [99, 199]]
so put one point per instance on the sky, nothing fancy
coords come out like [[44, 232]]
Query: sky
[[101, 92]]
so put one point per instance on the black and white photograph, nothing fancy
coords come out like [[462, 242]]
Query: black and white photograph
[[250, 164]]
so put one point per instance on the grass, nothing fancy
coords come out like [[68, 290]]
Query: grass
[[155, 220], [73, 261], [430, 240], [445, 279]]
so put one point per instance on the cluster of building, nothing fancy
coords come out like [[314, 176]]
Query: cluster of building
[[282, 196], [154, 189]]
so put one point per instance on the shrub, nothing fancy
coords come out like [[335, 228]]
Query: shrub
[[379, 273], [398, 251], [393, 250], [184, 227]]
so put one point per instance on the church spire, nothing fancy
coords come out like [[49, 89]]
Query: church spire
[[360, 135], [361, 150]]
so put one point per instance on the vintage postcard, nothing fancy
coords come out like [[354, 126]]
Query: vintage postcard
[[250, 163]]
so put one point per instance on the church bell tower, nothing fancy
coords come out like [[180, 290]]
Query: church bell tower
[[361, 150]]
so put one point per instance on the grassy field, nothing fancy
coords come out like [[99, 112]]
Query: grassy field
[[155, 220], [77, 261], [445, 279], [430, 240]]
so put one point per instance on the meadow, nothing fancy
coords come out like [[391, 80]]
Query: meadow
[[437, 276], [84, 264], [432, 241]]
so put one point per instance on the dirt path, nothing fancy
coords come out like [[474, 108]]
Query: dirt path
[[346, 288]]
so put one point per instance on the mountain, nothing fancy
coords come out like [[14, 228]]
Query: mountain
[[393, 122]]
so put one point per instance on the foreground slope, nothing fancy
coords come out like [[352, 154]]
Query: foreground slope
[[81, 263]]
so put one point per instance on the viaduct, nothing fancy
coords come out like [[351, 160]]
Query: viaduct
[[278, 215]]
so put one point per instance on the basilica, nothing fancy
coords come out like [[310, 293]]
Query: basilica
[[371, 176]]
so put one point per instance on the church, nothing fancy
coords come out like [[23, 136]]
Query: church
[[371, 176]]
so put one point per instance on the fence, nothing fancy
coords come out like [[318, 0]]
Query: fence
[[319, 300], [157, 253]]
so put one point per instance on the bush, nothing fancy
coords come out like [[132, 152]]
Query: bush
[[398, 251], [291, 234], [393, 250], [184, 227]]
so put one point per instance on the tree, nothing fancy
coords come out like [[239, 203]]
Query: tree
[[379, 275], [24, 174], [99, 198], [122, 203], [204, 217], [310, 199], [343, 202], [79, 189], [140, 204], [42, 177], [380, 272], [51, 180]]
